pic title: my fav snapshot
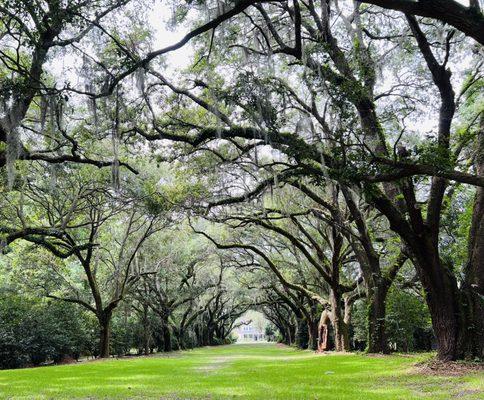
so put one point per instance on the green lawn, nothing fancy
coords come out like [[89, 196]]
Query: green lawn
[[259, 371]]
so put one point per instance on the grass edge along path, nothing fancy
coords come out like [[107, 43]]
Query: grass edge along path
[[246, 371]]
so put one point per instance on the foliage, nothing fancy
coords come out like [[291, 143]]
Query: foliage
[[34, 332], [408, 321]]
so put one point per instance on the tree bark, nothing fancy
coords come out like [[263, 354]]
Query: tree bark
[[341, 332], [181, 339], [291, 334], [377, 339], [469, 20], [313, 328], [166, 337], [471, 339], [323, 331], [104, 335], [442, 296]]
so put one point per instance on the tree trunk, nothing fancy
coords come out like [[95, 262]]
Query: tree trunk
[[313, 328], [455, 316], [198, 335], [105, 336], [291, 334], [166, 337], [471, 339], [377, 339], [341, 332], [146, 331], [369, 260], [323, 331], [146, 342], [181, 339], [209, 336], [442, 296], [442, 301]]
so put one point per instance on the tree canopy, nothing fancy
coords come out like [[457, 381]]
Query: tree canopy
[[320, 161]]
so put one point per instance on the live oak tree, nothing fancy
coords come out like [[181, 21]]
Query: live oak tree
[[304, 294], [301, 235], [33, 36], [78, 218], [341, 211], [178, 286], [365, 150]]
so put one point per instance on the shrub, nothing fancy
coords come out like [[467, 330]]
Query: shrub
[[33, 332]]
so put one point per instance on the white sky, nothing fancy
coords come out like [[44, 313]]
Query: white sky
[[163, 37]]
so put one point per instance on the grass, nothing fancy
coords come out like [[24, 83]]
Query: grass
[[248, 371]]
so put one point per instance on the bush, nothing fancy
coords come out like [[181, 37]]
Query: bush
[[270, 332], [33, 332], [13, 332]]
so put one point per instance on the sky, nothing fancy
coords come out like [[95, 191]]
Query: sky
[[158, 18]]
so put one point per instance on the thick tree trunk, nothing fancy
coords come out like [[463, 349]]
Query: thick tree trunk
[[166, 337], [181, 339], [290, 334], [287, 338], [442, 301], [442, 296], [471, 339], [210, 336], [377, 339], [456, 313], [198, 335], [471, 336], [313, 328], [323, 331], [341, 332], [104, 336]]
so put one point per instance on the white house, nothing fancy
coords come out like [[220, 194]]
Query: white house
[[249, 333]]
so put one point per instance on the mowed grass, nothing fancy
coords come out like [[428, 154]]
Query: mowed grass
[[258, 371]]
